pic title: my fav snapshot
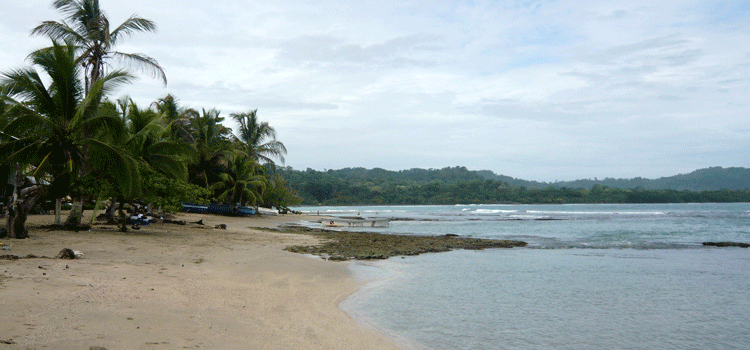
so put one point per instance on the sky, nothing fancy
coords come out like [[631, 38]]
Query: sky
[[537, 90]]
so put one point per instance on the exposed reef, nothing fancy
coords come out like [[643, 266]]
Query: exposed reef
[[342, 246]]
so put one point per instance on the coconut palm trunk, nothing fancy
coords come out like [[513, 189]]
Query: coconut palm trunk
[[76, 213], [22, 200]]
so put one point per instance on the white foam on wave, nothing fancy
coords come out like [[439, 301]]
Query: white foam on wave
[[494, 211], [528, 217], [596, 212]]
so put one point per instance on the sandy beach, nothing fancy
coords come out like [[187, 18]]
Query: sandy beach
[[168, 286]]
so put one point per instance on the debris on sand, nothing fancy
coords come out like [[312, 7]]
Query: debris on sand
[[68, 254]]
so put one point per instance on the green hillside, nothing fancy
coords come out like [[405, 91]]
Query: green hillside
[[455, 185], [708, 179]]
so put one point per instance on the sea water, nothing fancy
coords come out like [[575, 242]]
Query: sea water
[[592, 277]]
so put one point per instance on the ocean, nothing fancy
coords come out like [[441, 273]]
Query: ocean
[[614, 276]]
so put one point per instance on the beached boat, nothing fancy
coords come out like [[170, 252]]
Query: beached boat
[[245, 211], [194, 208], [344, 222], [222, 209], [267, 211]]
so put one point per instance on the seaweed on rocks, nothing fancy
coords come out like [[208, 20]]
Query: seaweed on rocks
[[341, 246]]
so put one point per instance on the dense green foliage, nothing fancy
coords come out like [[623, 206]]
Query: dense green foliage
[[461, 186], [59, 127]]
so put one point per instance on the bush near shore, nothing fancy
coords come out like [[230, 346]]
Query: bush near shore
[[372, 245]]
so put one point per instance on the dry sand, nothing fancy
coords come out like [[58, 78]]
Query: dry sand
[[176, 287]]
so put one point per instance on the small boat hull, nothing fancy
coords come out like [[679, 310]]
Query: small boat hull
[[221, 209], [338, 222], [192, 208]]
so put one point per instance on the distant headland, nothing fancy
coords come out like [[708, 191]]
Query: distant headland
[[458, 185]]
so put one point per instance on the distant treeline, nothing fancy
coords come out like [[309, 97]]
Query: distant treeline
[[459, 185], [707, 179]]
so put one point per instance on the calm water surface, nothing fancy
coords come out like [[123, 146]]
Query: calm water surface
[[593, 277]]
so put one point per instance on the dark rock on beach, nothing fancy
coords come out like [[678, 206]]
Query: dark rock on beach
[[66, 253], [727, 244]]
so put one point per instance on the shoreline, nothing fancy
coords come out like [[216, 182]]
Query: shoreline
[[376, 275], [168, 286]]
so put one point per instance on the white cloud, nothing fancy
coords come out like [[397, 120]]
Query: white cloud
[[535, 89]]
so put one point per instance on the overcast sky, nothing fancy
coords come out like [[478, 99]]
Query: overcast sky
[[539, 90]]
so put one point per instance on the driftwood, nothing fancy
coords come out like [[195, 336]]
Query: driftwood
[[176, 222]]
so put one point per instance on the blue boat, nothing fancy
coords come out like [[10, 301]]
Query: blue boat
[[193, 208], [213, 208], [245, 211], [220, 209]]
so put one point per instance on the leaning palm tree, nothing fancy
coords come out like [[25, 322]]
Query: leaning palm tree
[[87, 27], [55, 125], [258, 139]]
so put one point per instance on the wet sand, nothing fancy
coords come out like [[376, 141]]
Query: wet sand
[[168, 286]]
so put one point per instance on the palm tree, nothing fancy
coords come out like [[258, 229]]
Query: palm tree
[[212, 142], [88, 29], [241, 184], [258, 140], [178, 118], [147, 141], [55, 126]]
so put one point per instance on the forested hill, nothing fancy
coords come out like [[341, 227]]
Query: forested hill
[[708, 179], [460, 185]]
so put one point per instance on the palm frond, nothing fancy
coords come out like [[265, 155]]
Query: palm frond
[[145, 63], [24, 84], [20, 151], [100, 88], [25, 121], [116, 164], [70, 7], [168, 164], [104, 124], [59, 31], [131, 25]]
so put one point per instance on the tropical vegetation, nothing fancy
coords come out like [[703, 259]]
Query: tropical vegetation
[[63, 136], [458, 185]]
